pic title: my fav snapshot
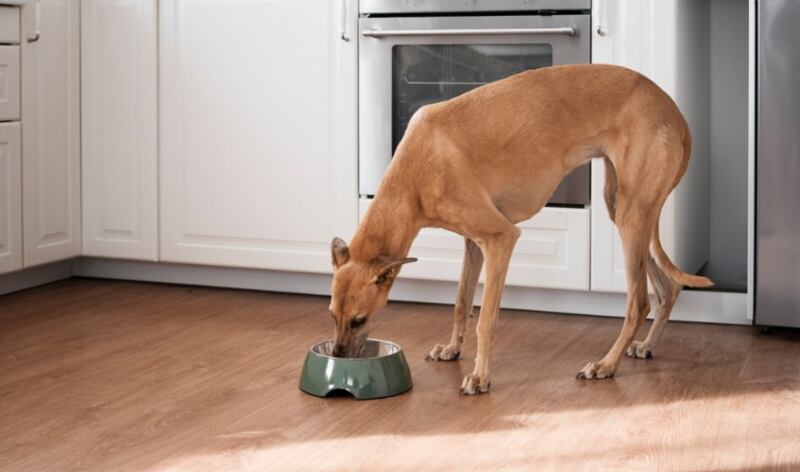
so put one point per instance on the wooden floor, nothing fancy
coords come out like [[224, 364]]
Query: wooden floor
[[115, 376]]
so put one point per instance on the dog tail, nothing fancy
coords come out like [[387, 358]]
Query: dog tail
[[657, 251], [665, 264]]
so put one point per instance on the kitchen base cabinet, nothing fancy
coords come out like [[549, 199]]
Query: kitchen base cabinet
[[51, 195], [257, 132], [10, 198], [667, 41], [551, 252], [119, 109]]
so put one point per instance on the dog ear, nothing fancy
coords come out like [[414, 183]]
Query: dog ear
[[388, 268], [340, 254]]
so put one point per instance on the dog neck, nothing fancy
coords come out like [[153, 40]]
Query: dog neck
[[388, 228]]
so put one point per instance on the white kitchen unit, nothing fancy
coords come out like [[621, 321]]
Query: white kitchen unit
[[552, 251], [10, 142], [220, 136], [666, 40], [10, 198], [119, 109], [51, 131], [257, 131]]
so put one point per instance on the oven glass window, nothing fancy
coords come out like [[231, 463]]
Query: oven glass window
[[423, 74]]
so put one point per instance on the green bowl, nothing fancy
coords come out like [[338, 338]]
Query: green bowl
[[380, 371]]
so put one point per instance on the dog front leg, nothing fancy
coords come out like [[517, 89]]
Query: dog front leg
[[470, 271], [497, 251]]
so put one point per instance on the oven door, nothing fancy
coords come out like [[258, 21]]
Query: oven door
[[405, 63]]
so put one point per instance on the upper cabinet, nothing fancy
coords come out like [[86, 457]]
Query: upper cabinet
[[257, 131], [119, 106], [51, 131], [667, 41]]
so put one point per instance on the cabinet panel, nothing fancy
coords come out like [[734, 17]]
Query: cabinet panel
[[9, 24], [627, 41], [664, 41], [639, 35], [258, 140], [9, 83], [119, 86], [10, 198], [51, 137], [552, 251]]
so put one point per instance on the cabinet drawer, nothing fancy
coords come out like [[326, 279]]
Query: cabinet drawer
[[552, 251], [9, 25], [9, 83]]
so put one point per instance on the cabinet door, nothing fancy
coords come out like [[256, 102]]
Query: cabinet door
[[51, 133], [119, 86], [257, 131], [635, 35], [10, 198], [667, 41]]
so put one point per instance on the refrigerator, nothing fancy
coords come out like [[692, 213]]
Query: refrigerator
[[777, 217]]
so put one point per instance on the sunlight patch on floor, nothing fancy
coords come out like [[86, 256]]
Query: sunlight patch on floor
[[746, 432]]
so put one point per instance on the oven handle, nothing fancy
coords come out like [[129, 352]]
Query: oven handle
[[567, 30]]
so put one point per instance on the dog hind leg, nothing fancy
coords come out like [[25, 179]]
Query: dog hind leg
[[634, 243], [644, 184], [667, 292], [610, 189]]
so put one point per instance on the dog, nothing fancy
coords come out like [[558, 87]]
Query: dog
[[483, 161]]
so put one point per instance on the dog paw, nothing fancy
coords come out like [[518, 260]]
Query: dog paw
[[595, 370], [444, 353], [474, 385], [639, 350]]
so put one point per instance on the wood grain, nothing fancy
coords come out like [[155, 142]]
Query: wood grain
[[107, 376]]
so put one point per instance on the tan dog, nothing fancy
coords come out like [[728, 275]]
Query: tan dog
[[485, 160]]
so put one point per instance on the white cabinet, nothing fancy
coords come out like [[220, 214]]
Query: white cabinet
[[51, 133], [257, 132], [551, 252], [10, 198], [119, 86], [664, 40]]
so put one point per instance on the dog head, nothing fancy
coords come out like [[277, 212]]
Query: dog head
[[360, 288]]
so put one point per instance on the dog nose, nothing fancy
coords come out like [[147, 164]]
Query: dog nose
[[338, 351]]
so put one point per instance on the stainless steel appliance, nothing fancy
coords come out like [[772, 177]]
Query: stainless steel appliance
[[777, 257], [416, 52]]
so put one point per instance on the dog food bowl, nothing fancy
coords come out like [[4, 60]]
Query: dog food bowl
[[380, 371]]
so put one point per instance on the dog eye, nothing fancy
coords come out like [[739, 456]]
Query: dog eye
[[358, 321]]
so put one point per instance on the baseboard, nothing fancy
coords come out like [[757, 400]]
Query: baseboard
[[698, 306], [35, 276], [692, 305], [210, 276]]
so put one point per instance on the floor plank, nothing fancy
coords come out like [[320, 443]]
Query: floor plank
[[100, 376]]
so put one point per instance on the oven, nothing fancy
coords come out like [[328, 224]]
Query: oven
[[417, 52]]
